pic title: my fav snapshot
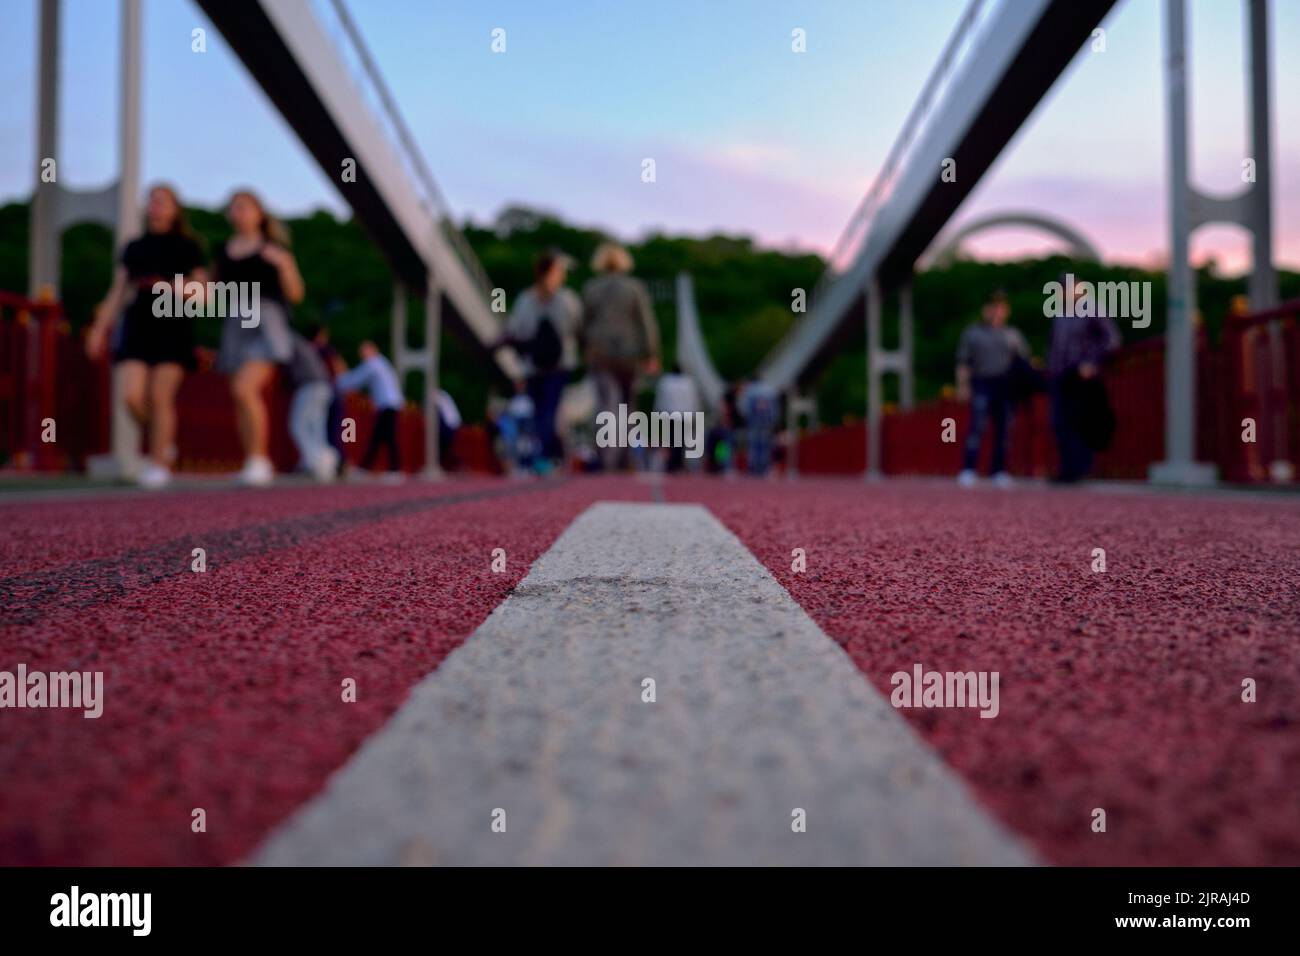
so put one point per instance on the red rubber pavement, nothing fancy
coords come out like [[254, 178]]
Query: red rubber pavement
[[52, 532], [224, 689], [1119, 690]]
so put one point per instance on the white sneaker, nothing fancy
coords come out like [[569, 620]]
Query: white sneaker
[[325, 467], [392, 478], [967, 478], [258, 472], [1003, 480], [154, 475]]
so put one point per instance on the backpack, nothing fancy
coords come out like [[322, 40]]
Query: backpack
[[545, 347]]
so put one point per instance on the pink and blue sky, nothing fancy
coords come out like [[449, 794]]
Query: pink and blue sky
[[747, 136]]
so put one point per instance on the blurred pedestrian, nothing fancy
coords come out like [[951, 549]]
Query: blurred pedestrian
[[676, 392], [1081, 414], [760, 409], [309, 410], [449, 422], [515, 424], [376, 375], [257, 259], [152, 351], [543, 326], [619, 333], [720, 447], [319, 335], [986, 354]]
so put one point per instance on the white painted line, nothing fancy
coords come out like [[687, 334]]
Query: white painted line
[[540, 714]]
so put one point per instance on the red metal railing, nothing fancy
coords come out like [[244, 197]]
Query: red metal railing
[[207, 438], [1262, 374], [1254, 373], [53, 405], [45, 375]]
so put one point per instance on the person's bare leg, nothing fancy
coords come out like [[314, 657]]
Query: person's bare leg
[[135, 389], [163, 384], [247, 386]]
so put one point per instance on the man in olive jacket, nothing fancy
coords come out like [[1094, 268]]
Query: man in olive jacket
[[619, 335]]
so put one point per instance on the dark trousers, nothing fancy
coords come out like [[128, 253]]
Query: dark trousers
[[446, 444], [546, 390], [385, 434], [334, 427], [990, 400], [1076, 456]]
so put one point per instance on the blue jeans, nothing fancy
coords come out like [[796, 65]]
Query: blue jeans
[[990, 398], [758, 449], [546, 389]]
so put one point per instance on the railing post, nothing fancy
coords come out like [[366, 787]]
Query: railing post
[[125, 434], [1263, 277], [1180, 466], [874, 371], [123, 459], [43, 272], [397, 328], [881, 360], [47, 322], [425, 360], [128, 178], [906, 392], [432, 346]]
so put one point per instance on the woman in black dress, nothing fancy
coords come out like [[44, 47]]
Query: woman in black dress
[[256, 257], [154, 343]]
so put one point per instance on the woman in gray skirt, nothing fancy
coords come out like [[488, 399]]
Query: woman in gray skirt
[[255, 336]]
